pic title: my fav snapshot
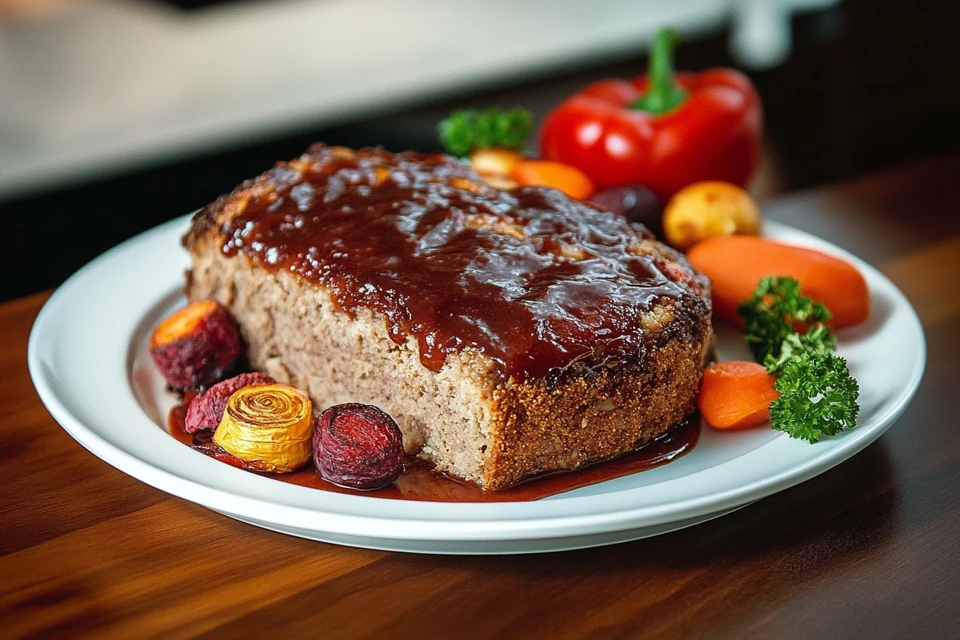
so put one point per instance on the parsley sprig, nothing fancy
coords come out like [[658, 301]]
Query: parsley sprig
[[818, 396], [772, 313], [817, 339], [465, 130]]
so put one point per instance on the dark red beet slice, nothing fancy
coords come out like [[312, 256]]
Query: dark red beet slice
[[219, 453], [357, 446], [634, 202], [206, 409]]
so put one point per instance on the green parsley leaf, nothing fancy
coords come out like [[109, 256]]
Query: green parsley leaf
[[467, 130], [818, 397], [772, 313], [456, 133], [817, 339]]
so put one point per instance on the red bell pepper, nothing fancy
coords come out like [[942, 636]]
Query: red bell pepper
[[663, 130]]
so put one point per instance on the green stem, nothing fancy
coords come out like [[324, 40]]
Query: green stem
[[664, 93]]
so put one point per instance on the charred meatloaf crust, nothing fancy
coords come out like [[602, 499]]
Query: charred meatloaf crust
[[509, 333]]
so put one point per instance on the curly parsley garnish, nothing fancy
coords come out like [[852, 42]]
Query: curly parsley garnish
[[817, 339], [772, 313], [464, 131], [818, 396]]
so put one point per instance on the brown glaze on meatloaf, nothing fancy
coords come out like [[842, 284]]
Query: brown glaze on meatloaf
[[509, 333]]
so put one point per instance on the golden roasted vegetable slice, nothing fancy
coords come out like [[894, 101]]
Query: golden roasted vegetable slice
[[269, 424]]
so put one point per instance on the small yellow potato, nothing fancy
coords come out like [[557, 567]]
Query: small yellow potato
[[709, 209], [495, 161], [500, 182]]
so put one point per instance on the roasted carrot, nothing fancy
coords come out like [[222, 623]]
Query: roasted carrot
[[544, 173], [735, 264], [736, 394]]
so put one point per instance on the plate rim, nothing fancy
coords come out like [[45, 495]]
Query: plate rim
[[466, 529]]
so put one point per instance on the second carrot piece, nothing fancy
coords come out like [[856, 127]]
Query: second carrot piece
[[736, 394], [543, 173]]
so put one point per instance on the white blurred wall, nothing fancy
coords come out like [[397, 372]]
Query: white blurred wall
[[105, 86]]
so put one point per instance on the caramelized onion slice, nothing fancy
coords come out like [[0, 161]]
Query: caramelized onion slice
[[269, 424]]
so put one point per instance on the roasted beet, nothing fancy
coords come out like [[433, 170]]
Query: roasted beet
[[219, 453], [634, 202], [357, 446], [206, 409], [196, 346]]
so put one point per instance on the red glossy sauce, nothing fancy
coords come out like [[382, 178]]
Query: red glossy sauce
[[420, 482], [178, 414], [532, 279]]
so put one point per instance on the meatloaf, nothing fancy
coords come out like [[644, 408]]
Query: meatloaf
[[509, 333]]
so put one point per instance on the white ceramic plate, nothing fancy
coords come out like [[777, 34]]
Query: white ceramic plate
[[89, 362]]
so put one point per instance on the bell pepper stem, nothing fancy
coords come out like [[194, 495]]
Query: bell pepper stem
[[664, 93]]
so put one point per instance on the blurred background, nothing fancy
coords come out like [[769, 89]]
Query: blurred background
[[116, 115]]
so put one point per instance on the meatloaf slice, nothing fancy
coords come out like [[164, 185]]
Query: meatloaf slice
[[509, 334]]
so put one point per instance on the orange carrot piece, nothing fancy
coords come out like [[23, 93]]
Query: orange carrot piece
[[736, 394], [544, 173], [735, 265], [182, 322]]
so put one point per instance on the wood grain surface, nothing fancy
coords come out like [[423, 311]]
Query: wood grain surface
[[867, 550]]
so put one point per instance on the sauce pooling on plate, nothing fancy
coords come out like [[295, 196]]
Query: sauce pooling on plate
[[419, 481]]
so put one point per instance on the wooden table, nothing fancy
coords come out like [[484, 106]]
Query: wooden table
[[868, 549]]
